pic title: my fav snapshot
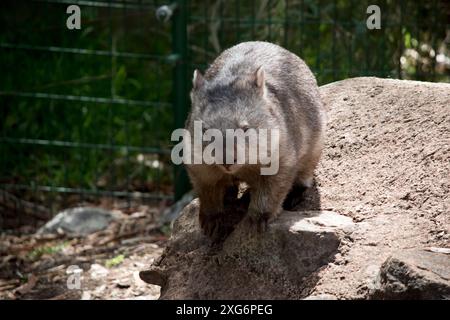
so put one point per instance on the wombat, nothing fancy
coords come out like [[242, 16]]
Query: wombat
[[257, 85]]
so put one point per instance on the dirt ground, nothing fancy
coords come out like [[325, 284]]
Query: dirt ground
[[386, 164], [38, 266]]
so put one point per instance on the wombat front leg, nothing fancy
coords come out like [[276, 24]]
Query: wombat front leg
[[267, 197], [212, 208]]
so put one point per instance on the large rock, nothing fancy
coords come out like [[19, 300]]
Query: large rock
[[277, 264], [414, 274], [385, 165]]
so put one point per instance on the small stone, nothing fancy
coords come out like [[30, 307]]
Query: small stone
[[122, 283], [413, 274], [86, 295], [98, 272], [79, 221]]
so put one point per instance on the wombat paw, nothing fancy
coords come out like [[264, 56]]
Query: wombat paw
[[210, 224], [258, 219], [294, 197]]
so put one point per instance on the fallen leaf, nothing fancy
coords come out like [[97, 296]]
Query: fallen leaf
[[27, 287]]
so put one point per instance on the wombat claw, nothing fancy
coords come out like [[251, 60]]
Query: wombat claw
[[260, 220], [210, 225]]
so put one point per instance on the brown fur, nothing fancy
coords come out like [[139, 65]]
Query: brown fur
[[229, 95]]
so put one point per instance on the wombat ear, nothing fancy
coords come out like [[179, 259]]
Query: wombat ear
[[197, 80], [259, 77]]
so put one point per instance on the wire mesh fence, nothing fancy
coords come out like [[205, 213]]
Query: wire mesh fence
[[331, 36], [87, 114]]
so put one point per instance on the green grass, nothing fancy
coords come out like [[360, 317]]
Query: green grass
[[37, 253], [113, 262]]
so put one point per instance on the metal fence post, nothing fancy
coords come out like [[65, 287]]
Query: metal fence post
[[180, 87]]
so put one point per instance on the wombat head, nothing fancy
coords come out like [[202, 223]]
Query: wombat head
[[232, 102]]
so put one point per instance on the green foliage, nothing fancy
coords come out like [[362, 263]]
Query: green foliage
[[114, 261], [99, 133], [36, 253], [330, 35]]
